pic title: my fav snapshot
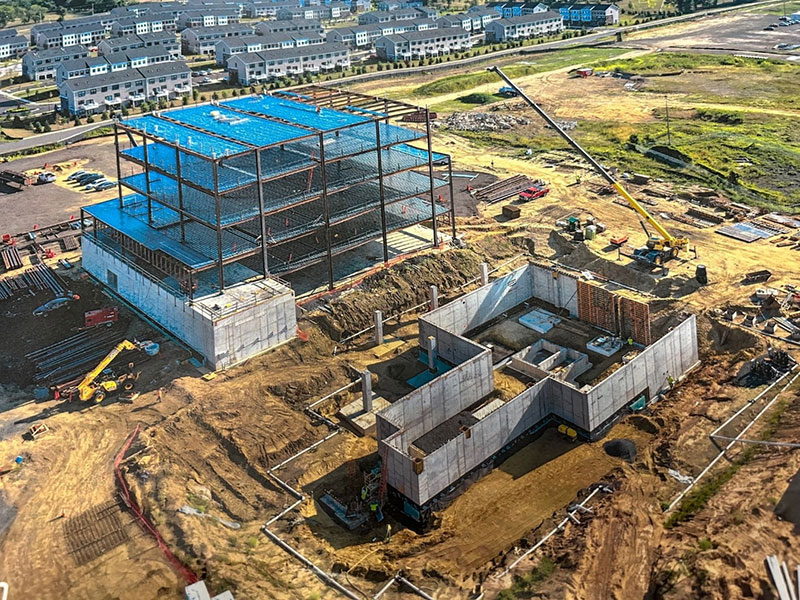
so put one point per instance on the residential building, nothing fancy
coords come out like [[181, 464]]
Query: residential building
[[110, 63], [335, 11], [354, 37], [311, 25], [524, 27], [204, 39], [588, 15], [427, 12], [149, 23], [12, 45], [360, 6], [483, 16], [254, 67], [42, 64], [52, 34], [421, 44], [194, 19], [266, 8], [380, 16], [108, 91], [462, 20], [256, 43], [164, 39], [298, 13], [415, 25]]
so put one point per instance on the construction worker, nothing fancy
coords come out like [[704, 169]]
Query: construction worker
[[363, 493], [630, 341], [160, 394], [373, 506], [388, 535]]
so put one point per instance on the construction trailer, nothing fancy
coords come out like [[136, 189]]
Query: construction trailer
[[569, 335], [217, 201]]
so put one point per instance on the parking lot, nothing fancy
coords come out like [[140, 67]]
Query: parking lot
[[54, 202], [740, 32]]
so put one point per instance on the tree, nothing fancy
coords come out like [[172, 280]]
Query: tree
[[7, 14]]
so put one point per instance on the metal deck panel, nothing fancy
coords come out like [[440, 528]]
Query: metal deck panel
[[197, 141], [255, 131], [110, 213], [319, 118]]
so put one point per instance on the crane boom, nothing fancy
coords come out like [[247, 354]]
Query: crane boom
[[667, 238], [85, 388]]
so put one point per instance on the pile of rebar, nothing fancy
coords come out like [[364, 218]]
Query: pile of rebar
[[74, 356], [11, 258], [36, 278]]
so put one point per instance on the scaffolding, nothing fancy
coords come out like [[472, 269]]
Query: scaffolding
[[266, 185]]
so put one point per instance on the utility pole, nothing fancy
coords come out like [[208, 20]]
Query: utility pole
[[669, 134]]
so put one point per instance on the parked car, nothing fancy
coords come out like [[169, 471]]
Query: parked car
[[55, 304], [205, 80], [90, 179], [46, 177], [533, 192], [106, 185], [91, 186], [769, 28], [87, 177], [77, 174]]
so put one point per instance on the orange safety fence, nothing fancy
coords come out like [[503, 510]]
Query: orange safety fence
[[182, 569]]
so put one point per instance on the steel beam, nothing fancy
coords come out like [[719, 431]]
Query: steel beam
[[220, 264], [147, 180], [261, 217], [180, 190]]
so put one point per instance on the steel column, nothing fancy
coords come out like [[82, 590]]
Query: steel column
[[381, 192], [119, 167], [452, 196], [430, 174], [220, 266], [147, 181], [261, 218], [180, 190], [326, 208]]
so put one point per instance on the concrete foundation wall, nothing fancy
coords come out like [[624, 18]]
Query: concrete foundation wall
[[671, 356], [472, 379], [499, 428], [223, 341]]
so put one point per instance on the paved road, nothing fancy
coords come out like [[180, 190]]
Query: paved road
[[54, 137], [70, 134]]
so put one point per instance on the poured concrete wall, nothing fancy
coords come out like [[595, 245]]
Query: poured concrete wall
[[588, 409], [500, 427], [671, 356], [223, 341]]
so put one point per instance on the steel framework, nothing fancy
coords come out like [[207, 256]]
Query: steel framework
[[263, 185]]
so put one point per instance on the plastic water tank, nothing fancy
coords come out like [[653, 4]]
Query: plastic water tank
[[151, 348]]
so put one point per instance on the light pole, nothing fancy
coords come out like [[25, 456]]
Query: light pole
[[669, 134]]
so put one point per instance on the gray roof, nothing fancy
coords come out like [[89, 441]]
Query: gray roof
[[280, 53], [82, 63], [85, 83], [17, 39], [135, 53], [4, 33], [413, 36], [533, 18], [62, 51], [167, 68], [201, 32]]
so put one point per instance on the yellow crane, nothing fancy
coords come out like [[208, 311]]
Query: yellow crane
[[97, 384], [661, 247]]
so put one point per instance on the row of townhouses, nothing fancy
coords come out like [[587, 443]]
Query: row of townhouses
[[525, 27], [145, 40], [203, 39], [257, 43], [421, 44], [254, 67], [574, 15], [110, 91], [12, 45], [110, 63]]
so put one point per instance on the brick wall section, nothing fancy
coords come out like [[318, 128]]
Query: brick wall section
[[635, 320], [596, 306], [625, 317]]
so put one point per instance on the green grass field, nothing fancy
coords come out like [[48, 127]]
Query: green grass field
[[538, 63]]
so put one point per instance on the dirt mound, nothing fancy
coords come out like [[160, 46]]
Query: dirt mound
[[580, 257], [788, 508], [477, 121], [727, 339], [621, 448], [393, 290]]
